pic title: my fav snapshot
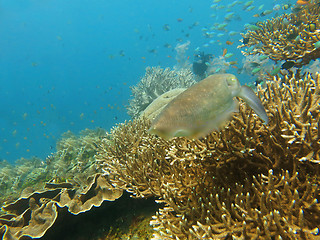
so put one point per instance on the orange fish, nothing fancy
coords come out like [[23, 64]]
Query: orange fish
[[302, 2], [229, 42], [224, 52]]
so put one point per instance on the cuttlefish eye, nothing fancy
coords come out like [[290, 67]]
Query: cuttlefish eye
[[233, 84], [231, 81]]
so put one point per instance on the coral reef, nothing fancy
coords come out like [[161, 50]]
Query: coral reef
[[293, 37], [25, 173], [74, 159], [313, 67], [68, 178], [73, 162], [218, 65], [256, 66], [247, 181], [155, 82], [182, 60]]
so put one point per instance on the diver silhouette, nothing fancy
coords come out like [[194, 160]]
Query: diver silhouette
[[201, 63]]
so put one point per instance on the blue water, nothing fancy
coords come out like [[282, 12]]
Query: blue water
[[61, 66]]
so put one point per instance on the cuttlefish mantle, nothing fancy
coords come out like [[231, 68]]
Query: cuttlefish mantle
[[206, 106]]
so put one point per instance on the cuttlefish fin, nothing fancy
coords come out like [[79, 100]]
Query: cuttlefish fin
[[249, 96]]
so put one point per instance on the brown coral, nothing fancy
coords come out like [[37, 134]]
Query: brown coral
[[34, 214], [287, 37], [246, 181], [272, 206]]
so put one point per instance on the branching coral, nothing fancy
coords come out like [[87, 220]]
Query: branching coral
[[155, 82], [182, 60], [75, 155], [15, 178], [273, 206], [246, 181], [288, 37], [218, 65]]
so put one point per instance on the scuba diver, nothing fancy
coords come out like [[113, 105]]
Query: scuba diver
[[201, 63]]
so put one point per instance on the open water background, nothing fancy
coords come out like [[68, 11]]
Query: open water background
[[68, 65]]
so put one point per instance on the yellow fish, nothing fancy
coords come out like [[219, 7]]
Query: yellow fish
[[204, 107]]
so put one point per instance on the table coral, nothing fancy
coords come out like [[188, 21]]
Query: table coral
[[287, 37], [246, 181]]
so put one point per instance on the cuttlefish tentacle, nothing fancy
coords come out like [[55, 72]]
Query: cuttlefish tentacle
[[204, 107], [248, 95]]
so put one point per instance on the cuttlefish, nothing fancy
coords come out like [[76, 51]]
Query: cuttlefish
[[206, 106]]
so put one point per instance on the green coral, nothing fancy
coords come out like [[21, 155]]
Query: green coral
[[73, 162]]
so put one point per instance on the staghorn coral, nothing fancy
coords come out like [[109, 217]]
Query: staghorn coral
[[247, 181], [287, 37], [273, 206], [155, 82]]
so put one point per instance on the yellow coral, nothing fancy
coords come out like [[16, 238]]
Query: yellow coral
[[288, 37], [246, 181]]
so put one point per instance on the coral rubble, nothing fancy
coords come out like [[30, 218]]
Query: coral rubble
[[292, 36], [248, 181], [155, 82]]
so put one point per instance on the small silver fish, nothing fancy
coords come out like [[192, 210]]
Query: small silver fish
[[204, 107]]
